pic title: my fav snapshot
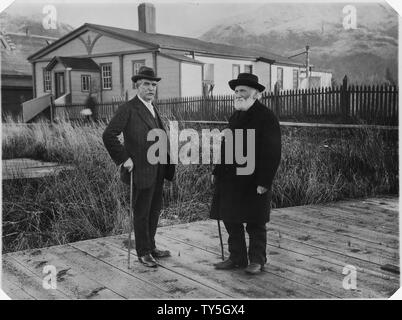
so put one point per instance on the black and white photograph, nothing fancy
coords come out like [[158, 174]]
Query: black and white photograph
[[218, 152]]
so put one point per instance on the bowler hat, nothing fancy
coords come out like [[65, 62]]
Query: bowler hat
[[246, 79], [145, 73]]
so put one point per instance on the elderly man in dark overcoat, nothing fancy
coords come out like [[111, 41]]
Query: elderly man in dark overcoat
[[245, 198], [135, 119]]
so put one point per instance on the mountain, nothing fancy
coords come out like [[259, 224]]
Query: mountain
[[19, 24], [364, 53]]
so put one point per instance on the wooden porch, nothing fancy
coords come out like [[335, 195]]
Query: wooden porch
[[308, 248]]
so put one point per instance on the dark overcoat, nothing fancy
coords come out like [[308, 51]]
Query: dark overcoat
[[235, 196], [134, 120]]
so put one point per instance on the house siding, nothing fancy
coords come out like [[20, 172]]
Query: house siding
[[169, 71], [128, 70], [109, 95], [106, 44], [191, 79], [72, 48], [223, 72], [39, 78], [262, 71], [79, 96]]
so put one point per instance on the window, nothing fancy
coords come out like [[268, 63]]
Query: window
[[85, 82], [279, 77], [47, 82], [137, 64], [295, 79], [248, 68], [106, 76], [209, 73], [235, 70]]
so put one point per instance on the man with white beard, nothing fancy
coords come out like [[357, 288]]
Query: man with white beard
[[240, 198]]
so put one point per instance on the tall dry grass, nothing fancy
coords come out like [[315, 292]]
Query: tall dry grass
[[317, 166]]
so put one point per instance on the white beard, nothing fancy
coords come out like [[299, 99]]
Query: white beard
[[243, 104]]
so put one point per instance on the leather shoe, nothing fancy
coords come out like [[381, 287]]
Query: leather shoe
[[254, 268], [160, 253], [228, 265], [148, 261]]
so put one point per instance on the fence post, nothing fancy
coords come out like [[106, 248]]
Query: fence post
[[52, 110], [345, 98], [276, 100], [304, 102]]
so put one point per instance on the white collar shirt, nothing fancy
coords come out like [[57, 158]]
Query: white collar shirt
[[149, 106]]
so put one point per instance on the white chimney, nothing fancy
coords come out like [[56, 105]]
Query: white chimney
[[146, 18]]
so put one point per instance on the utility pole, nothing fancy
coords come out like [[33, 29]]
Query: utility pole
[[307, 63], [306, 52]]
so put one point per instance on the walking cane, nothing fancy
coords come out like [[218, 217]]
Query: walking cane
[[131, 218], [220, 238]]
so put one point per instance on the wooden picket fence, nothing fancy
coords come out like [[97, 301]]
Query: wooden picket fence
[[339, 104]]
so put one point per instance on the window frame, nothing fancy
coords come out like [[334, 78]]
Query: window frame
[[102, 65], [82, 82], [133, 62], [235, 65], [47, 80], [248, 66]]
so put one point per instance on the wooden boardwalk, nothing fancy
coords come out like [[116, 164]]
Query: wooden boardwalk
[[25, 168], [308, 248]]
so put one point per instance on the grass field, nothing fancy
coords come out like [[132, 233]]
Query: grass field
[[318, 165]]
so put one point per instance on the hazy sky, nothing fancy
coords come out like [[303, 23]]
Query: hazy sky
[[180, 17], [195, 18]]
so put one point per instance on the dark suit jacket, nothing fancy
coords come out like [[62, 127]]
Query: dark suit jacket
[[235, 198], [134, 120]]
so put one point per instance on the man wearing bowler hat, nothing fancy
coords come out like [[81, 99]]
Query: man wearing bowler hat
[[135, 119], [245, 198]]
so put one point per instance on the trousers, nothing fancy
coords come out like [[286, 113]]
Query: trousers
[[147, 205], [237, 242]]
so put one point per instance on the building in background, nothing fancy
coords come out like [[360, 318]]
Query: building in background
[[188, 66], [16, 71]]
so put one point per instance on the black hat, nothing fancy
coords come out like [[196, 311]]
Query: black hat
[[246, 79], [145, 73]]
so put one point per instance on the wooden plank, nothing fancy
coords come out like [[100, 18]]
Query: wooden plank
[[70, 280], [196, 264], [364, 218], [383, 216], [27, 281], [123, 282], [317, 219], [337, 243], [307, 270], [277, 239], [337, 215], [14, 292], [172, 284]]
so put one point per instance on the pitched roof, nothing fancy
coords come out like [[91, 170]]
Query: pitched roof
[[14, 58], [192, 44], [74, 63], [164, 41], [181, 58]]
